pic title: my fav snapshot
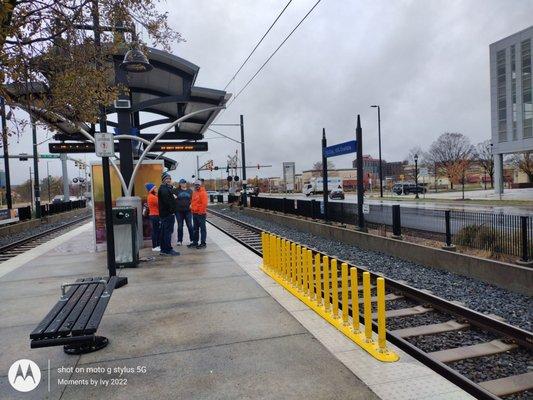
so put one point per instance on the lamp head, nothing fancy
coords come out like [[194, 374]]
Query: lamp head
[[136, 61]]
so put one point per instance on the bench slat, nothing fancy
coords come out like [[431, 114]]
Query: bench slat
[[65, 311], [76, 311], [79, 326], [98, 313], [39, 330]]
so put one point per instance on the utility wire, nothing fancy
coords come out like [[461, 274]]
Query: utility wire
[[221, 134], [257, 45], [272, 55]]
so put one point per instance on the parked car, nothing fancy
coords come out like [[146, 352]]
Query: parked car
[[408, 188], [57, 199], [252, 191], [336, 194]]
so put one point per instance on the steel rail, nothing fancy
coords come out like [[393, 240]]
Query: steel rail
[[482, 321], [18, 243]]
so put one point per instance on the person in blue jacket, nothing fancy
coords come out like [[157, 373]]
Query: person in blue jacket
[[183, 209]]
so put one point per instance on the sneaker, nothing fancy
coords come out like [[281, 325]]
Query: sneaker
[[156, 248], [179, 244], [191, 245], [201, 246]]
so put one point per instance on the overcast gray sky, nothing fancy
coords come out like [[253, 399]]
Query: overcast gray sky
[[426, 62]]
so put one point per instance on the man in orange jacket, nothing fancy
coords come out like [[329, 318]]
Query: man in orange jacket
[[199, 211]]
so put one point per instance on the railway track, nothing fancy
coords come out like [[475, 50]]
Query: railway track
[[418, 321], [20, 246]]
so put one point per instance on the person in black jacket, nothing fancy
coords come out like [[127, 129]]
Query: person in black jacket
[[167, 209], [183, 210]]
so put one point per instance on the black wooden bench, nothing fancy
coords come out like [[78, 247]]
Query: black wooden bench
[[73, 321]]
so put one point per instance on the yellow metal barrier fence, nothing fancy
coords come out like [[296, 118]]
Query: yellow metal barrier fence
[[316, 284]]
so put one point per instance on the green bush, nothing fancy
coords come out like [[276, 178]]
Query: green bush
[[479, 237]]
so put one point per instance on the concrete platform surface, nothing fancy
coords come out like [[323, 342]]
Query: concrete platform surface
[[196, 326]]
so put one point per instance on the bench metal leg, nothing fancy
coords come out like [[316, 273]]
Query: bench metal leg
[[98, 343]]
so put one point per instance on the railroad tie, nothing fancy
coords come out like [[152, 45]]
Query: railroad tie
[[476, 350]]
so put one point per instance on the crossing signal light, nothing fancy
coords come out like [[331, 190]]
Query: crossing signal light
[[216, 168]]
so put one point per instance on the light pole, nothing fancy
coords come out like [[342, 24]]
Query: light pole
[[48, 179], [379, 144], [416, 176]]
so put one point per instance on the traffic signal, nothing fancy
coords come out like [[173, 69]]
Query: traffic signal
[[216, 168], [258, 166], [229, 178]]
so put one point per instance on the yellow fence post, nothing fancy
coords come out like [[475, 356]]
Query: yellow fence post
[[263, 246], [318, 280], [344, 278], [335, 289], [293, 263], [287, 261], [310, 273], [367, 306], [382, 342], [298, 267], [355, 300], [279, 255], [325, 273], [305, 268], [266, 250]]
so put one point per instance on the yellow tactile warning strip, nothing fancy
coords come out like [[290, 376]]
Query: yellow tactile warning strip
[[293, 267]]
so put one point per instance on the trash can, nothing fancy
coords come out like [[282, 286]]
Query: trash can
[[125, 232]]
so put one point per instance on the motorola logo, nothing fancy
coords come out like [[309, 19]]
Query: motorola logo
[[24, 375]]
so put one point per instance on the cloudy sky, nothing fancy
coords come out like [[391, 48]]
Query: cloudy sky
[[426, 62]]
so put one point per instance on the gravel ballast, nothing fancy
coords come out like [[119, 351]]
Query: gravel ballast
[[515, 308]]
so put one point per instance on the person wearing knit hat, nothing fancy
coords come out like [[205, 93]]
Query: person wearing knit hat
[[183, 210], [167, 209], [153, 213]]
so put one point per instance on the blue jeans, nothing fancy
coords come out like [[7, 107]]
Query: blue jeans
[[156, 230], [198, 221], [167, 227], [187, 217]]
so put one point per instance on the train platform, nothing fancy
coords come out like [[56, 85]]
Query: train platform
[[206, 325]]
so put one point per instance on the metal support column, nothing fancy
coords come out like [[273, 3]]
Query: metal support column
[[244, 184], [360, 183], [9, 199], [325, 174], [36, 190], [64, 170]]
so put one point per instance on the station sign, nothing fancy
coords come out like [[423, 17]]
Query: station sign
[[341, 149], [179, 146], [89, 147]]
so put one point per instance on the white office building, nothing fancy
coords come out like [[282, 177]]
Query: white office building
[[511, 98]]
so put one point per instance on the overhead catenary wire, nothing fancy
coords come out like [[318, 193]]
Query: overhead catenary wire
[[257, 45], [273, 54]]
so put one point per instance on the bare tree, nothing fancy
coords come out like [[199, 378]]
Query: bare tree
[[48, 41], [524, 162], [317, 168], [483, 156], [452, 152]]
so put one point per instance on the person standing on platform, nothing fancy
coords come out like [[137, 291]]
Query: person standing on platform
[[167, 209], [183, 210], [153, 213], [199, 211]]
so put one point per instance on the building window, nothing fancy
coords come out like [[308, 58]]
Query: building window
[[526, 89], [502, 103], [513, 90]]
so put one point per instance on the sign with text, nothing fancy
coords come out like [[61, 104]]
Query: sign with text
[[104, 144], [341, 149], [88, 147]]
